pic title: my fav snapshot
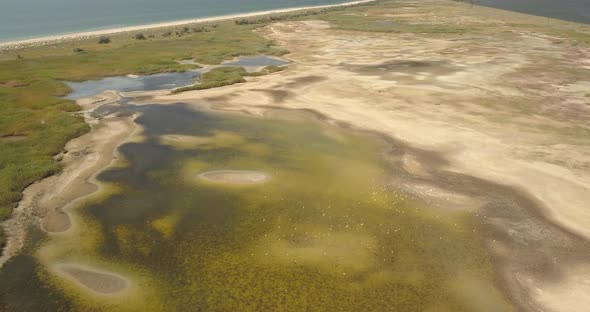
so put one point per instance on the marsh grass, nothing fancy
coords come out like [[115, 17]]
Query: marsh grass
[[31, 86], [217, 77]]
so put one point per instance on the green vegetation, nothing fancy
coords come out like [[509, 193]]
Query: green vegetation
[[104, 40], [363, 17], [376, 24], [225, 76], [267, 70], [218, 77], [36, 123]]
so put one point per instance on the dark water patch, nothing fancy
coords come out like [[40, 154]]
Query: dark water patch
[[20, 282]]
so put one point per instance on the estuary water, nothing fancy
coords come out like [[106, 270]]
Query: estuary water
[[25, 19]]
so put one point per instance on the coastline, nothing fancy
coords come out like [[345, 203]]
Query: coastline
[[17, 44], [262, 89], [46, 203]]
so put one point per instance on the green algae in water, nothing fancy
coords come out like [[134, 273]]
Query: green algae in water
[[325, 233]]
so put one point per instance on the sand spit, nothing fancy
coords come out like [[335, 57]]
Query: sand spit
[[46, 202], [85, 35], [99, 282], [234, 177]]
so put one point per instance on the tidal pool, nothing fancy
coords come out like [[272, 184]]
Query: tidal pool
[[326, 233]]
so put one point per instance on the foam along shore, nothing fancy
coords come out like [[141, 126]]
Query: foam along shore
[[88, 34]]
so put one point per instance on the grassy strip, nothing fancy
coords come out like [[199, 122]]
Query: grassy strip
[[225, 76], [267, 70], [35, 123], [218, 77]]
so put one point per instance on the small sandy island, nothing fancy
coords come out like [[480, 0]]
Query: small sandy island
[[235, 177], [99, 282]]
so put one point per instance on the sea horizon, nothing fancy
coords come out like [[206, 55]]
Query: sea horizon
[[89, 16]]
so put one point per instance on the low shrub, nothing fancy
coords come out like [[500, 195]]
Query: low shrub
[[104, 40]]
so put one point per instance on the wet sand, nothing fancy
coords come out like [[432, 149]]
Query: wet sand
[[234, 177], [99, 282]]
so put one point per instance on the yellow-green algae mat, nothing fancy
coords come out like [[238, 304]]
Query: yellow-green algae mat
[[322, 231]]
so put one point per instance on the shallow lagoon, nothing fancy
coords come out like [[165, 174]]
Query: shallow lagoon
[[327, 232]]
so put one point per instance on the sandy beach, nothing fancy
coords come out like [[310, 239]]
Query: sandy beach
[[9, 45]]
